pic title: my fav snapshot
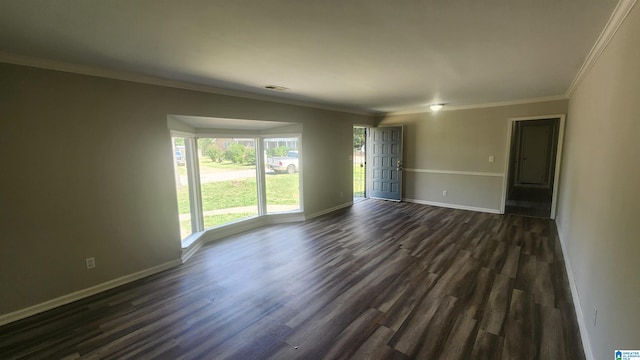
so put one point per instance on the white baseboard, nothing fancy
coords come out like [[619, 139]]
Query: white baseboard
[[285, 218], [233, 229], [69, 298], [190, 250], [453, 206], [326, 211], [195, 244], [582, 326]]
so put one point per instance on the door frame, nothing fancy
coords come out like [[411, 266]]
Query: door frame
[[366, 175], [507, 162]]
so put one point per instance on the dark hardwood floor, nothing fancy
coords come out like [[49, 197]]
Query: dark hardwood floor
[[379, 280], [529, 202]]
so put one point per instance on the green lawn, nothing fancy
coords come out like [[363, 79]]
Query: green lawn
[[282, 189], [213, 220], [208, 166], [358, 180]]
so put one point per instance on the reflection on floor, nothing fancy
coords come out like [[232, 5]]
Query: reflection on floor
[[529, 202]]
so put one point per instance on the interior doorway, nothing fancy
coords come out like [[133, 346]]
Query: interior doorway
[[534, 157], [359, 163]]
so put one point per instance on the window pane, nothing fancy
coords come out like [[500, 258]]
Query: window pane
[[282, 179], [182, 186], [227, 179]]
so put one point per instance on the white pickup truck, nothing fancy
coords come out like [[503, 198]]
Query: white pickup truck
[[282, 164]]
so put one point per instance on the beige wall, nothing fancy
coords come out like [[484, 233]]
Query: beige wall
[[460, 141], [599, 208], [87, 171]]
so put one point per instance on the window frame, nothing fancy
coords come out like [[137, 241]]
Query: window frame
[[298, 142], [195, 186]]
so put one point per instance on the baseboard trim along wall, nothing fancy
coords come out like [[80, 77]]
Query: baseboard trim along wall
[[191, 249], [194, 245], [78, 295], [582, 326], [326, 211], [453, 206]]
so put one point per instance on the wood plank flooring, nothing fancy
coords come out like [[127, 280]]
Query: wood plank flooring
[[529, 202], [379, 280]]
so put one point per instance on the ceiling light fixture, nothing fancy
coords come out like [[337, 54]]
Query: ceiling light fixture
[[276, 88], [436, 107]]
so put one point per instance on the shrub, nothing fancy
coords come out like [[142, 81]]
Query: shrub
[[250, 156], [235, 153], [278, 151], [215, 154]]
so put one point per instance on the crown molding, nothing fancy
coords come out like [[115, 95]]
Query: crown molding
[[623, 8], [615, 21], [425, 108], [35, 62]]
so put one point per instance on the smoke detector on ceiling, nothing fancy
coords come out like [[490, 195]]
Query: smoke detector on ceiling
[[276, 88]]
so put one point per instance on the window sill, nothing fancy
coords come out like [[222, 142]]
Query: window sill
[[192, 243]]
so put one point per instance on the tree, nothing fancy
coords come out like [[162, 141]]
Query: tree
[[179, 141], [250, 156], [204, 144], [358, 137], [235, 153], [278, 151], [215, 154]]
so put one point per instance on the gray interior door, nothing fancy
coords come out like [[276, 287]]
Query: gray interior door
[[385, 159]]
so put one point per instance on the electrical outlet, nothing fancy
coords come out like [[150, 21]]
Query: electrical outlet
[[595, 315], [91, 262], [491, 158], [444, 192], [341, 194]]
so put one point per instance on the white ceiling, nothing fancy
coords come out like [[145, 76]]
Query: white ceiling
[[364, 55]]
